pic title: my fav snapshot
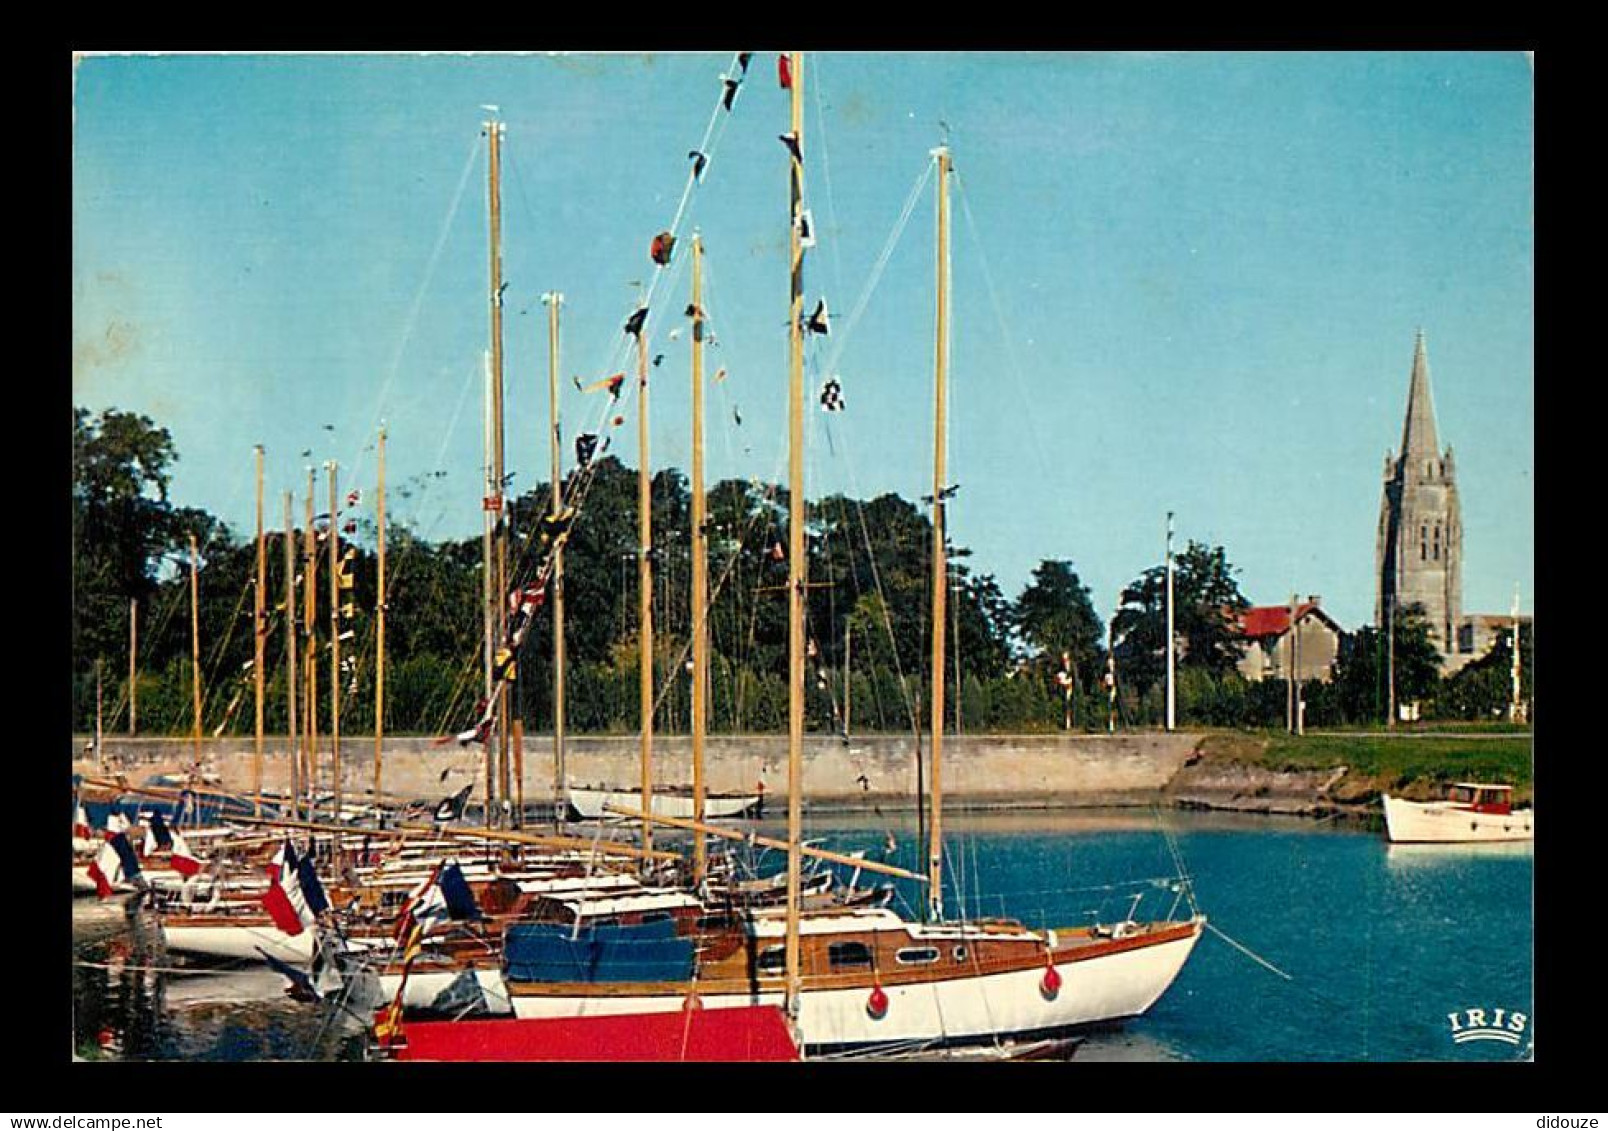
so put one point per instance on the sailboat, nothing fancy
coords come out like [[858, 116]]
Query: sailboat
[[868, 978]]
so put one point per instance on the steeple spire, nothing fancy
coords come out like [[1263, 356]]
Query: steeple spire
[[1418, 435]]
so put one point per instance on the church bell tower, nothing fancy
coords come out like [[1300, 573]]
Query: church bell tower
[[1419, 556]]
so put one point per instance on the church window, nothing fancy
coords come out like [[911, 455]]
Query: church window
[[1423, 543]]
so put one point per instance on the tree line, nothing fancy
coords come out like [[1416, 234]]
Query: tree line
[[1035, 662]]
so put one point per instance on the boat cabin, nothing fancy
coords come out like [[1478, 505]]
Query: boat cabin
[[1479, 798]]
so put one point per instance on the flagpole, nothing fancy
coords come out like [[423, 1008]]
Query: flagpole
[[1172, 691]]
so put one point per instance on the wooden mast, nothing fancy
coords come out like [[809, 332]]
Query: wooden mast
[[554, 300], [260, 619], [795, 538], [645, 583], [494, 133], [310, 650], [487, 613], [100, 753], [292, 688], [379, 634], [700, 569], [334, 639], [195, 651], [133, 676], [940, 561]]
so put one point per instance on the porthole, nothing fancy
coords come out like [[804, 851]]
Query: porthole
[[960, 954]]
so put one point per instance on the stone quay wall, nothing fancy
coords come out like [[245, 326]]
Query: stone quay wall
[[979, 770]]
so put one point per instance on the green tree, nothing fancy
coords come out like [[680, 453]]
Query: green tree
[[1055, 616], [1206, 597]]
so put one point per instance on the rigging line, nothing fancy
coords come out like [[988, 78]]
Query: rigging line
[[882, 596], [1015, 365], [875, 276], [826, 170]]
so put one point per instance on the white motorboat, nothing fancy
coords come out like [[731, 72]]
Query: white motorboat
[[1472, 812]]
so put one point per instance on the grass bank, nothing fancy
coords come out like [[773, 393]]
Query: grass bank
[[1409, 764]]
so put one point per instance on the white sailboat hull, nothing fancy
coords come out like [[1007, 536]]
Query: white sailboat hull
[[1106, 988], [591, 804], [424, 989], [1413, 822], [239, 942]]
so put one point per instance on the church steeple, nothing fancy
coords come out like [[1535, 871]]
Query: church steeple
[[1419, 553], [1418, 436]]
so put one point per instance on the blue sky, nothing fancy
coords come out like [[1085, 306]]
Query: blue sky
[[1182, 282]]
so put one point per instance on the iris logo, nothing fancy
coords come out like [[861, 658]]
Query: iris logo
[[1487, 1025]]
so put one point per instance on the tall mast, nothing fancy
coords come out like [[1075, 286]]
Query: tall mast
[[848, 673], [795, 540], [554, 300], [488, 611], [494, 133], [1172, 660], [261, 621], [100, 754], [195, 650], [379, 634], [133, 678], [334, 639], [310, 650], [645, 585], [940, 561], [292, 688], [700, 574]]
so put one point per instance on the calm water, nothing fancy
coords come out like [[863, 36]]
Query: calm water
[[1379, 943]]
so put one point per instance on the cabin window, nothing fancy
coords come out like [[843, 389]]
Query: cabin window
[[849, 956], [654, 917], [771, 960], [917, 955], [960, 954], [711, 923]]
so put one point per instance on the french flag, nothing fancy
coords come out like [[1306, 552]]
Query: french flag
[[114, 862], [159, 837], [286, 900]]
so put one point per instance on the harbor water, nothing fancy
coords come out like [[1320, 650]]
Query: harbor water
[[1325, 942]]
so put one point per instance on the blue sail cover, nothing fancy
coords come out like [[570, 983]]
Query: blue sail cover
[[552, 952]]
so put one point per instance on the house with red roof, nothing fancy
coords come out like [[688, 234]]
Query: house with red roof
[[1270, 645]]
